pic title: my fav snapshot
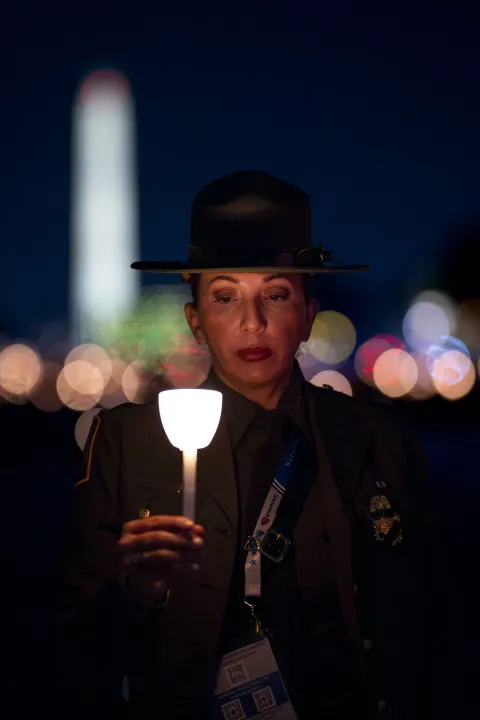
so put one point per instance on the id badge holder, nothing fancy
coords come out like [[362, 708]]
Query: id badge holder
[[249, 683]]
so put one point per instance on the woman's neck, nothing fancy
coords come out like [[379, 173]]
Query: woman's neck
[[266, 395]]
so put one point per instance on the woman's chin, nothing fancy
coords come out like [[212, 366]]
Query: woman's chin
[[257, 373]]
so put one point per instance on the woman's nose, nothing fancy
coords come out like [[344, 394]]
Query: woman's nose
[[253, 320]]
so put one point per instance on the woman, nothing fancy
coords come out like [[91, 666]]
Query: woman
[[159, 600]]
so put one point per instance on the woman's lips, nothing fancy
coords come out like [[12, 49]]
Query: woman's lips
[[254, 354]]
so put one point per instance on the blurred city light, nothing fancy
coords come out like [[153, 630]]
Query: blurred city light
[[94, 355], [334, 379], [188, 365], [135, 382], [308, 363], [84, 377], [80, 385], [150, 332], [113, 394], [453, 375], [20, 370], [333, 337], [424, 388], [369, 352], [430, 316], [395, 373], [443, 345]]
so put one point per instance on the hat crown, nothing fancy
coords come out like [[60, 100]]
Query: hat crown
[[251, 209], [246, 206]]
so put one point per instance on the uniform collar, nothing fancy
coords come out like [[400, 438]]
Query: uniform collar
[[241, 412]]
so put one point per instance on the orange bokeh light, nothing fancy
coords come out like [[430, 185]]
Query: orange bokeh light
[[369, 352], [453, 375], [395, 373], [21, 370], [93, 354], [424, 387], [80, 385]]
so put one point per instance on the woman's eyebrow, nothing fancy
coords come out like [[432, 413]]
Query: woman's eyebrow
[[275, 276], [229, 278]]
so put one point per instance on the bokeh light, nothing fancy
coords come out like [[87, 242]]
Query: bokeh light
[[369, 352], [308, 363], [84, 378], [113, 394], [334, 379], [80, 385], [453, 375], [188, 365], [93, 354], [443, 345], [424, 388], [133, 381], [333, 337], [83, 425], [20, 370], [430, 316], [395, 373], [152, 332]]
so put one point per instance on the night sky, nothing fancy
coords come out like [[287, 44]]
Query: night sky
[[373, 108]]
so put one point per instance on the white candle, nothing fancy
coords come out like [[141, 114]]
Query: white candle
[[189, 481], [190, 419]]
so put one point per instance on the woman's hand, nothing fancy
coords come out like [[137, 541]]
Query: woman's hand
[[154, 549]]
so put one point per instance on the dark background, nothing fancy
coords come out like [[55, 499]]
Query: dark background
[[373, 108]]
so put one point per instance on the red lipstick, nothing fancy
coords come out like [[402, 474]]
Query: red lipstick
[[254, 354]]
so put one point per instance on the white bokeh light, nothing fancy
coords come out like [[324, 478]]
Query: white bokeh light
[[334, 379], [430, 316]]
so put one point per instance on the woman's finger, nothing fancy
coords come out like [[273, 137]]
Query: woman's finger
[[158, 540], [173, 523], [161, 558]]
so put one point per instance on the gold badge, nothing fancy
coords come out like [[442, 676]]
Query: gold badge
[[384, 519]]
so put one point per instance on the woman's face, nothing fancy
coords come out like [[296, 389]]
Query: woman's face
[[253, 324]]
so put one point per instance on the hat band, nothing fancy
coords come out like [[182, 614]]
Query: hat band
[[204, 257]]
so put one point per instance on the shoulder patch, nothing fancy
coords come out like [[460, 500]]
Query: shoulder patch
[[88, 450]]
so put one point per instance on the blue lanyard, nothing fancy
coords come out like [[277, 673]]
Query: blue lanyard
[[265, 540], [284, 470]]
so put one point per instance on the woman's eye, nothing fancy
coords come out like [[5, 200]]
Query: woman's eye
[[277, 297]]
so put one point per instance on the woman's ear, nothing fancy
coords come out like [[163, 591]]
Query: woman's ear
[[192, 317]]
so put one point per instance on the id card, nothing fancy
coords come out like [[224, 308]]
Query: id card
[[249, 685]]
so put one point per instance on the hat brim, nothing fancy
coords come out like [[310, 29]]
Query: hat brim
[[174, 268]]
